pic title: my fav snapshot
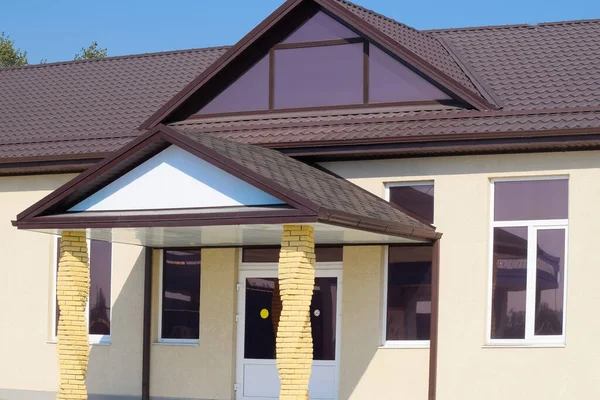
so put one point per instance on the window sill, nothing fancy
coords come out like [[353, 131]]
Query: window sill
[[409, 344], [194, 343], [524, 345], [91, 343]]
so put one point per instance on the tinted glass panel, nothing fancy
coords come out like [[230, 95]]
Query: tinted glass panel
[[409, 293], [319, 76], [249, 93], [181, 295], [271, 254], [99, 302], [391, 81], [550, 276], [509, 283], [320, 27], [417, 199], [263, 310], [529, 200]]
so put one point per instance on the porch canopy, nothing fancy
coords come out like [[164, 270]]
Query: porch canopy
[[174, 189]]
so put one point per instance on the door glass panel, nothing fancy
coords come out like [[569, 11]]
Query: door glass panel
[[263, 310]]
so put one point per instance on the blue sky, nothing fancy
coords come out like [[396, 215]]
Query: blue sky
[[57, 29]]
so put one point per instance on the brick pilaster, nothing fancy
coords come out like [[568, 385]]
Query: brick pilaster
[[294, 336], [73, 287]]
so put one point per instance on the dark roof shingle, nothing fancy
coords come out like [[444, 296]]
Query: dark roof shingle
[[546, 76]]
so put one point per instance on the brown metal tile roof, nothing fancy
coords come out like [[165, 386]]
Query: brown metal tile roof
[[546, 77], [549, 65], [387, 126], [84, 106], [422, 44]]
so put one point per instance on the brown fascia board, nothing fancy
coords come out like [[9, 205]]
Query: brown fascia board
[[411, 59], [402, 149], [344, 219], [168, 136], [169, 220], [418, 64]]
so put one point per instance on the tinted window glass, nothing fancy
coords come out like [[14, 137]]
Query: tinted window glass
[[416, 199], [100, 262], [263, 311], [509, 283], [320, 27], [391, 81], [249, 93], [531, 200], [409, 293], [550, 277], [319, 76], [99, 302], [181, 295]]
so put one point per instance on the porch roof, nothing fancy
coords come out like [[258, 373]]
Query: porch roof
[[303, 193]]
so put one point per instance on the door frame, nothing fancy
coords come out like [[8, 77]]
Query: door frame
[[269, 270]]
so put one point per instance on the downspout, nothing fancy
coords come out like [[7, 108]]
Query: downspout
[[146, 330], [435, 300]]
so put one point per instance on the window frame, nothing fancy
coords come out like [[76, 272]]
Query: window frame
[[160, 339], [93, 339], [533, 227], [399, 344]]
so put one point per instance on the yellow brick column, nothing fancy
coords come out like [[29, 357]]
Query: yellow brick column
[[73, 287], [294, 336]]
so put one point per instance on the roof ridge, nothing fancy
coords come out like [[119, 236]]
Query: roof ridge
[[512, 26], [111, 58]]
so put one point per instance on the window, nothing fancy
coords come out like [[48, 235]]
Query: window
[[528, 261], [99, 304], [180, 297], [407, 294], [321, 64]]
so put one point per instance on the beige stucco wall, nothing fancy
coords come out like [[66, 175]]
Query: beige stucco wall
[[467, 368], [364, 365], [28, 356], [206, 370]]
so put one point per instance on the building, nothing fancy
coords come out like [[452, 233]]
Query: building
[[443, 180]]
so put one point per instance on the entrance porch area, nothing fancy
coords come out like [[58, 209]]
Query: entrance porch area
[[283, 256]]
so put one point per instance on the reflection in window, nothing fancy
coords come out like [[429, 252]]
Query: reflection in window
[[180, 295], [100, 262], [550, 277], [528, 265], [99, 302], [509, 283], [409, 293], [417, 199]]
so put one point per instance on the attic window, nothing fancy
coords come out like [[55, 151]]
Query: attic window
[[322, 64]]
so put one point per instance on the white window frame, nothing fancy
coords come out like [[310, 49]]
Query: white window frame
[[161, 340], [399, 344], [533, 226], [93, 339]]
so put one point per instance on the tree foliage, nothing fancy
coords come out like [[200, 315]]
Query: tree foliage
[[9, 55], [92, 52]]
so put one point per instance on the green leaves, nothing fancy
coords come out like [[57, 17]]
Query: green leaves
[[91, 52], [9, 55]]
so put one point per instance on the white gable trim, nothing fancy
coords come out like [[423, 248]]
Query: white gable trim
[[175, 179]]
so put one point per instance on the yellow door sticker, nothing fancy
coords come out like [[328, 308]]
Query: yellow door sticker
[[264, 313]]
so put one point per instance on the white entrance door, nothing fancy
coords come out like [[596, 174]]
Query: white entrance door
[[259, 307]]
